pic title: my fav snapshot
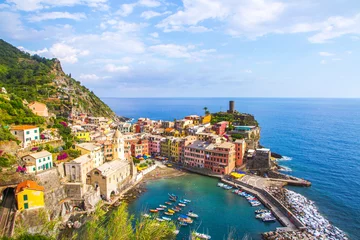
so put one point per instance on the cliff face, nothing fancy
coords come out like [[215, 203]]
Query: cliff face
[[34, 78]]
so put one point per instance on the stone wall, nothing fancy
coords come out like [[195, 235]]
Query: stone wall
[[73, 190], [9, 146]]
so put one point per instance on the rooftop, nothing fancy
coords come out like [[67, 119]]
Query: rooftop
[[28, 185], [109, 168], [88, 146], [23, 127], [41, 154], [82, 159]]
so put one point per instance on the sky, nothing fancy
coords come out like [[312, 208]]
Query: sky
[[195, 48]]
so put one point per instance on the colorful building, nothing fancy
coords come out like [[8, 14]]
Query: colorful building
[[83, 136], [39, 109], [26, 134], [139, 147], [38, 162], [206, 119], [195, 119], [217, 157], [96, 152], [240, 146], [29, 195], [220, 127]]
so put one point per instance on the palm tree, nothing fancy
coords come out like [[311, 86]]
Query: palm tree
[[206, 110]]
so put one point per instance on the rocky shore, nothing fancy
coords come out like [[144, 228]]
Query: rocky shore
[[305, 210]]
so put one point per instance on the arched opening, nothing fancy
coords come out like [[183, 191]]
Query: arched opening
[[112, 193], [8, 197]]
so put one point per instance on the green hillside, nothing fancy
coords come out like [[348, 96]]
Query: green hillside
[[37, 78]]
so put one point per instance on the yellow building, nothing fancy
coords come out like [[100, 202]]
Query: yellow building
[[175, 149], [29, 195], [84, 136], [206, 119]]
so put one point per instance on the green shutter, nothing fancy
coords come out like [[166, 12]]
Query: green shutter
[[25, 197], [26, 205]]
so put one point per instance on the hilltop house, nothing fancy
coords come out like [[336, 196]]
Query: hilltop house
[[29, 195], [25, 133], [39, 109], [37, 162]]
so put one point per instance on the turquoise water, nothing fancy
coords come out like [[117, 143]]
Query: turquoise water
[[220, 211], [321, 137]]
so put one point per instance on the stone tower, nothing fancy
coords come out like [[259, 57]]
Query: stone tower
[[118, 145]]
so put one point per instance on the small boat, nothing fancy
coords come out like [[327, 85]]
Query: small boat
[[220, 184], [187, 200], [263, 215], [255, 204], [172, 199], [146, 215], [269, 219], [168, 203], [160, 209], [261, 211], [176, 232], [171, 211], [191, 214], [166, 218], [182, 204], [186, 219], [160, 219], [174, 209], [154, 210], [163, 206], [181, 201], [177, 207], [183, 224], [202, 235], [168, 213]]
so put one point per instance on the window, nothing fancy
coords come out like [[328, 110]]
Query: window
[[48, 158], [26, 205], [25, 197], [27, 132], [36, 137], [35, 131]]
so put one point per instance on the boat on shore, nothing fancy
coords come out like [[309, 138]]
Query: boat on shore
[[182, 204], [269, 219], [168, 203], [154, 210], [261, 211], [184, 218], [168, 213], [146, 215], [201, 235], [187, 200], [160, 219], [174, 209], [220, 184], [162, 206], [171, 211], [183, 224], [160, 209]]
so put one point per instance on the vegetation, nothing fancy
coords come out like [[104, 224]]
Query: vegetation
[[238, 118], [7, 160], [237, 136], [37, 78], [118, 225]]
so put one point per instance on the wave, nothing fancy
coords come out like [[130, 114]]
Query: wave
[[285, 169], [284, 158]]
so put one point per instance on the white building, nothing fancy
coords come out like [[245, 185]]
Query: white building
[[95, 151], [38, 162], [26, 134], [110, 177], [125, 127], [77, 169]]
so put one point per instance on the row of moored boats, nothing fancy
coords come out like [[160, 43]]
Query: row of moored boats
[[174, 207]]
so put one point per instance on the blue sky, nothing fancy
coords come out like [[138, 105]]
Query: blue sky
[[195, 48]]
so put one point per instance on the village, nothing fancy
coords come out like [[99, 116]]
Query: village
[[109, 157]]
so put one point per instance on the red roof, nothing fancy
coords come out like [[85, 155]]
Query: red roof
[[28, 185]]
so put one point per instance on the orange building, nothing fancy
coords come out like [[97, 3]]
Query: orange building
[[39, 109]]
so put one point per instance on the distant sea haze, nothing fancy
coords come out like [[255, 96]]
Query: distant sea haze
[[321, 137]]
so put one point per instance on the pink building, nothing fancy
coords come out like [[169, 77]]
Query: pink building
[[154, 144], [220, 127], [217, 157]]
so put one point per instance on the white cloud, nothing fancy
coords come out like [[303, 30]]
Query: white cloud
[[180, 51], [326, 54], [154, 35], [67, 53], [335, 27], [91, 77], [56, 15], [149, 3], [113, 68], [43, 52], [151, 14], [127, 8], [33, 5], [241, 17]]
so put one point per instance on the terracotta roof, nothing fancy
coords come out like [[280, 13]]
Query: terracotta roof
[[169, 129], [23, 127], [28, 185]]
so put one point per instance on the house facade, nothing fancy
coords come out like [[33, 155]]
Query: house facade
[[95, 151], [38, 162], [39, 109], [77, 169], [110, 177], [29, 195], [26, 134]]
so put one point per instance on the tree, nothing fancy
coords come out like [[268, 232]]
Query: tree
[[206, 110]]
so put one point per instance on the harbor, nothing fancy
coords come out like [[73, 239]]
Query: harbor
[[209, 202]]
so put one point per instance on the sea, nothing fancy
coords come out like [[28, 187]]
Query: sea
[[319, 139]]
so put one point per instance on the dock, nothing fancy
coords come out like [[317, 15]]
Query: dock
[[284, 215]]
